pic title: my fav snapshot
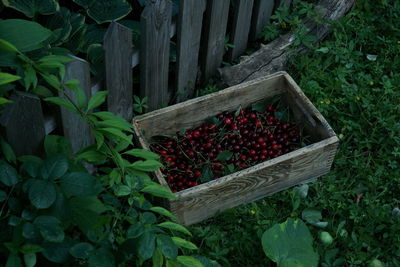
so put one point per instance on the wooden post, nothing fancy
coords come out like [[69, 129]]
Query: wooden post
[[212, 51], [154, 52], [190, 20], [75, 129], [262, 11], [283, 3], [118, 60], [240, 27], [23, 124]]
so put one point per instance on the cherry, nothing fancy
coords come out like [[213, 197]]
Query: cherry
[[227, 121]]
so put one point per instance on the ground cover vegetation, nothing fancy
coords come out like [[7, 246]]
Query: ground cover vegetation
[[352, 212]]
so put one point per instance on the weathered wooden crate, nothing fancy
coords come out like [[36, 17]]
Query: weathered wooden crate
[[203, 201]]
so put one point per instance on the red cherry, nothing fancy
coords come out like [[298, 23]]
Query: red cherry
[[196, 134], [227, 121], [258, 124]]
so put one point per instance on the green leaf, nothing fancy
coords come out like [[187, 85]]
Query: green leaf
[[123, 190], [30, 259], [30, 248], [4, 101], [53, 81], [92, 156], [175, 227], [50, 228], [224, 155], [207, 262], [8, 78], [13, 261], [3, 195], [158, 191], [42, 194], [8, 175], [259, 107], [30, 78], [115, 124], [81, 250], [207, 174], [32, 7], [142, 153], [164, 212], [184, 243], [290, 244], [58, 252], [117, 133], [62, 103], [313, 216], [7, 47], [189, 261], [167, 246], [146, 245], [7, 151], [42, 91], [158, 259], [29, 231], [97, 99], [54, 167], [146, 166], [101, 257], [135, 230], [80, 184], [55, 144], [108, 10], [33, 34]]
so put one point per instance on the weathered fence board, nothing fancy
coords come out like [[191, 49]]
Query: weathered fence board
[[154, 52], [75, 129], [240, 27], [118, 60], [282, 3], [190, 20], [215, 22], [262, 11], [23, 124]]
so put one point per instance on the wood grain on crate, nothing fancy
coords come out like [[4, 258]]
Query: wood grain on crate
[[118, 54], [203, 201], [253, 183], [154, 53], [240, 27]]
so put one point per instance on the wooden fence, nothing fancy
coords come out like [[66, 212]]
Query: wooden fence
[[200, 29]]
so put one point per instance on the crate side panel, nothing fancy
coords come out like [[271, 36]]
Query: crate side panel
[[256, 185], [193, 113]]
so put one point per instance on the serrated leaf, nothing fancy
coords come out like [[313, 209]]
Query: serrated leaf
[[97, 99], [81, 250], [115, 124], [92, 156], [158, 191], [8, 175], [54, 167], [117, 133], [146, 245], [135, 230], [42, 194], [163, 212], [142, 153], [175, 227], [167, 246], [207, 174], [146, 166], [224, 155], [183, 243], [50, 228], [80, 184], [123, 190], [189, 261]]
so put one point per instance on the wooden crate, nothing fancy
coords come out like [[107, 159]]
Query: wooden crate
[[205, 200]]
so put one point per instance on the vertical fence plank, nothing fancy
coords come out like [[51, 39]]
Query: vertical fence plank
[[215, 22], [75, 129], [262, 11], [23, 124], [283, 3], [154, 52], [118, 60], [240, 27], [190, 20]]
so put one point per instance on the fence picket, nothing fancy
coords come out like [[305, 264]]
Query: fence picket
[[212, 51], [190, 20], [118, 60], [154, 52], [241, 27], [262, 11], [75, 129], [283, 3], [23, 124]]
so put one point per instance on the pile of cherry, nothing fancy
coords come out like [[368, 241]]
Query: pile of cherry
[[234, 141]]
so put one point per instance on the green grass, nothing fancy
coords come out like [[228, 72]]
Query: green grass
[[360, 97]]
